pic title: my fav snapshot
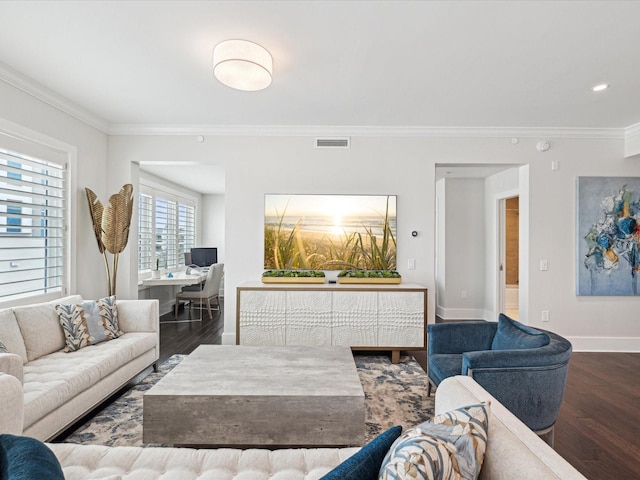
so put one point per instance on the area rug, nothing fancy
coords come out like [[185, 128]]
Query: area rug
[[395, 394]]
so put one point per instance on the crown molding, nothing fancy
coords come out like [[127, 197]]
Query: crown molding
[[632, 141], [632, 130], [33, 88], [364, 131]]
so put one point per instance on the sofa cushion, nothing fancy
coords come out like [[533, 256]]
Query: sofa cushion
[[25, 458], [54, 379], [450, 447], [513, 335], [444, 365], [82, 462], [10, 334], [3, 349], [40, 329], [365, 464], [88, 323]]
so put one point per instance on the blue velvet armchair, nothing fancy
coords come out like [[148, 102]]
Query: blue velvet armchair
[[524, 368]]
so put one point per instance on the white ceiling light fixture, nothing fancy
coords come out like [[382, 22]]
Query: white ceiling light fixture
[[242, 65], [601, 87]]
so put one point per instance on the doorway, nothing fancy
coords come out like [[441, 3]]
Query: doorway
[[469, 281], [509, 238]]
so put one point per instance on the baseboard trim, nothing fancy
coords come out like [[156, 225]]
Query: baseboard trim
[[460, 313], [605, 344], [229, 338], [167, 307]]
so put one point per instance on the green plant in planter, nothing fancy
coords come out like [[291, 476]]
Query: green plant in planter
[[293, 273], [369, 274]]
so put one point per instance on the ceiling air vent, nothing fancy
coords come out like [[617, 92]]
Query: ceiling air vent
[[333, 142]]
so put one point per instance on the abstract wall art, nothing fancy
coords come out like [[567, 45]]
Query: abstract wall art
[[608, 235]]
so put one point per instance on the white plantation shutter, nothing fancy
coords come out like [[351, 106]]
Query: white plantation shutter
[[166, 229], [166, 241], [145, 232], [186, 230], [32, 228]]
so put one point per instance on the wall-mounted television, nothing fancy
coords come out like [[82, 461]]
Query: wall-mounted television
[[204, 257], [329, 232]]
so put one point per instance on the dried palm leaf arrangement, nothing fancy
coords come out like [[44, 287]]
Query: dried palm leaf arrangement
[[111, 227]]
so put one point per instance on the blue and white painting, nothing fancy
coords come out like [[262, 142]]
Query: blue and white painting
[[608, 235]]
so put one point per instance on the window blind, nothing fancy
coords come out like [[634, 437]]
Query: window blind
[[145, 232], [166, 242], [32, 229], [166, 229], [186, 230]]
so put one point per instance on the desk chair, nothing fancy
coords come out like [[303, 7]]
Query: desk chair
[[209, 292]]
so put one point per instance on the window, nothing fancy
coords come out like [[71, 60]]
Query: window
[[32, 233], [145, 232], [166, 229]]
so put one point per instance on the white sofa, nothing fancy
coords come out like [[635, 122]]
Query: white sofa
[[58, 388], [513, 451]]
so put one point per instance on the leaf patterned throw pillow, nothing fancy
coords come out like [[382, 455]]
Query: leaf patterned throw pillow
[[450, 447], [89, 323], [109, 315], [74, 326]]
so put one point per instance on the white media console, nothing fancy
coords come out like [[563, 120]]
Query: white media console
[[364, 317]]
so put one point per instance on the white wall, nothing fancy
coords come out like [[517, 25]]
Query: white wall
[[441, 250], [406, 167], [212, 224], [90, 171], [402, 166], [463, 246], [213, 228]]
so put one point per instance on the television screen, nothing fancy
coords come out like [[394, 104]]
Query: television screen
[[204, 257], [330, 232]]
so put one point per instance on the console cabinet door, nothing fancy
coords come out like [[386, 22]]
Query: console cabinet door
[[262, 317], [308, 318], [355, 315], [401, 319]]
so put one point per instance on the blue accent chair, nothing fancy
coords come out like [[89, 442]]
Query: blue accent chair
[[524, 368]]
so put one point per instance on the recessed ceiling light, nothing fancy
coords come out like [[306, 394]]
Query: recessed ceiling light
[[601, 87]]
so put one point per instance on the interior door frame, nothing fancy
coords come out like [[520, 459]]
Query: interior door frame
[[501, 253], [501, 215]]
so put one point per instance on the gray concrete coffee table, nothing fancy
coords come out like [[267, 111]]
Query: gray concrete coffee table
[[258, 396]]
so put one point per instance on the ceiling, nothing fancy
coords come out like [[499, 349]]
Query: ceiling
[[127, 66]]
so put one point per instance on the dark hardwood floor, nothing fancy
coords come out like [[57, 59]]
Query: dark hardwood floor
[[184, 336], [596, 431]]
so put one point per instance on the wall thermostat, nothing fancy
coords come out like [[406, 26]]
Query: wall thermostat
[[414, 234]]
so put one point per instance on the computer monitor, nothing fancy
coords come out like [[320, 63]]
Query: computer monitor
[[204, 257]]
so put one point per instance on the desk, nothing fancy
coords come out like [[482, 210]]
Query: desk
[[181, 279]]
